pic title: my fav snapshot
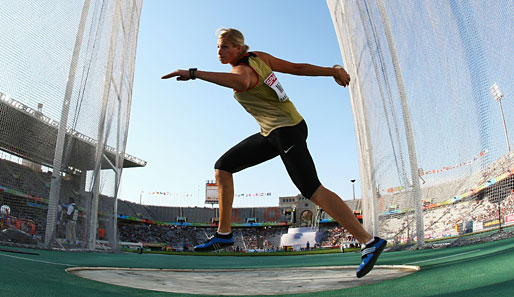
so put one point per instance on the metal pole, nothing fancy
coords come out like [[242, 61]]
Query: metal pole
[[409, 131], [353, 188], [504, 125], [100, 147], [55, 185], [499, 215]]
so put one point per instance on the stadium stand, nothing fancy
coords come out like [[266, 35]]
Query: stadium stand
[[25, 189], [165, 214]]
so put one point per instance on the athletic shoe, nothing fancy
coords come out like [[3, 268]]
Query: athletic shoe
[[216, 242], [370, 255]]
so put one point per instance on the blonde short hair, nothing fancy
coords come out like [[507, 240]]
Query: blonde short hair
[[234, 36]]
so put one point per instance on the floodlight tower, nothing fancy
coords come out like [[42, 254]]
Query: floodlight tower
[[353, 187], [497, 94]]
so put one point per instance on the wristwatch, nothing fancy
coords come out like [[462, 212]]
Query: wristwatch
[[192, 73]]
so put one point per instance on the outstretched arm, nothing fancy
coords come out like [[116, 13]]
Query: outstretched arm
[[284, 66], [238, 79]]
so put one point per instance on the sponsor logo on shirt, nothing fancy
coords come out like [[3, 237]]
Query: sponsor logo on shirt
[[272, 82]]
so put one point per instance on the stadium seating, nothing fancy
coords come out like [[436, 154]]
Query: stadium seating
[[27, 191]]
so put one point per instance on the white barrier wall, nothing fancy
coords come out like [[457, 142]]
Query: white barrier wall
[[298, 237]]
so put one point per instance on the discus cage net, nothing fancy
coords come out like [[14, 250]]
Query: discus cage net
[[432, 94], [66, 73], [432, 87]]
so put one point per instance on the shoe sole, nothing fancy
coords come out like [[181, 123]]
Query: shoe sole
[[213, 247], [373, 260]]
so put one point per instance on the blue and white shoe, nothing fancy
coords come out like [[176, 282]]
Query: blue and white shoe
[[216, 242], [370, 255]]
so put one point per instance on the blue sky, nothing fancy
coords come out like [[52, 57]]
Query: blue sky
[[181, 128]]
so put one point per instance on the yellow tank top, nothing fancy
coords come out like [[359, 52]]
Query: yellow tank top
[[267, 101]]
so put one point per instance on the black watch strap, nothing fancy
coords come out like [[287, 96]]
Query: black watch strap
[[192, 73]]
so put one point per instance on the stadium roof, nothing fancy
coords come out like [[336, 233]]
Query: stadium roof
[[31, 135]]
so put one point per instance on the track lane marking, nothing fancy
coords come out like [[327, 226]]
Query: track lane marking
[[41, 261], [451, 256]]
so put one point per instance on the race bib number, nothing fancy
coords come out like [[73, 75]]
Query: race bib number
[[272, 82]]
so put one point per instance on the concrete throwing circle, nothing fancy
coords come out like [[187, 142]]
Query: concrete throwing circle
[[259, 281]]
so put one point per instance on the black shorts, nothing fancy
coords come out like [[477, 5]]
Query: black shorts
[[289, 143]]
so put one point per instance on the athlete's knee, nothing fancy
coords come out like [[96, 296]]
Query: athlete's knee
[[221, 164], [222, 176], [317, 193], [224, 163], [310, 191]]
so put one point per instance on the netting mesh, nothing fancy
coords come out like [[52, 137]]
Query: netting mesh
[[66, 72], [435, 158]]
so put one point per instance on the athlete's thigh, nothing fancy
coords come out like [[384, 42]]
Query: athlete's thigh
[[297, 159], [301, 169], [249, 152]]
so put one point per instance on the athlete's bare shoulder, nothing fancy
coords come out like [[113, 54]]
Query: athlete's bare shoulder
[[277, 64], [265, 57]]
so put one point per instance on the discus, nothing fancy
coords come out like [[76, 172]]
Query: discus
[[338, 81]]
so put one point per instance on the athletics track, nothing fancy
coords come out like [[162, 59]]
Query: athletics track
[[485, 269]]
